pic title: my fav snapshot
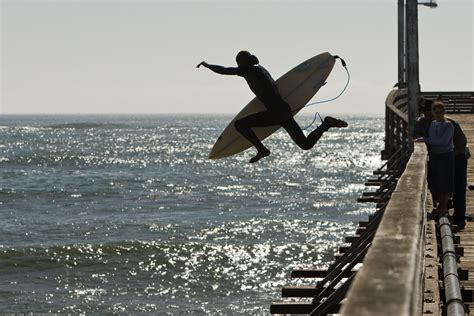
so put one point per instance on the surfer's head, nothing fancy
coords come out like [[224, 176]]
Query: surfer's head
[[245, 59]]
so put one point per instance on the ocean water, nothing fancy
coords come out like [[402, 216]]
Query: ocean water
[[125, 214]]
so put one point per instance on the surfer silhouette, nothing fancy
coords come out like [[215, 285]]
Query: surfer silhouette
[[277, 112]]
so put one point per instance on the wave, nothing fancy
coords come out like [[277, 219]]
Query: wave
[[160, 251], [85, 125], [73, 160], [85, 254]]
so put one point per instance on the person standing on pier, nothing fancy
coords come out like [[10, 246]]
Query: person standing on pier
[[461, 155], [441, 166]]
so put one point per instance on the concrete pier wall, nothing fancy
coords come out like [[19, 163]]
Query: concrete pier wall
[[391, 276]]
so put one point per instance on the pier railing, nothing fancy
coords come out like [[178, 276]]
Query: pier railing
[[391, 275], [396, 115], [397, 137], [455, 101], [396, 123]]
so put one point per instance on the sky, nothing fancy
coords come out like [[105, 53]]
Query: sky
[[140, 56]]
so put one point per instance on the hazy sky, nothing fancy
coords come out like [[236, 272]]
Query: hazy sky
[[104, 56]]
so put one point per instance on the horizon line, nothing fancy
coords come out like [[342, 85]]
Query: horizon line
[[181, 113]]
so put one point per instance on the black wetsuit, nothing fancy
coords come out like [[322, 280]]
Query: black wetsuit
[[278, 111]]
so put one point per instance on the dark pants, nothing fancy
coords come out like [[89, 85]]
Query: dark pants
[[282, 118], [459, 194], [441, 173]]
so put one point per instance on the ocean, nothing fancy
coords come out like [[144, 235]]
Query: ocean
[[125, 214]]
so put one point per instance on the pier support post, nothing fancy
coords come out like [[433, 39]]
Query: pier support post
[[401, 44], [413, 79]]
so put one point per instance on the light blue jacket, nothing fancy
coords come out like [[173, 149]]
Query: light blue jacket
[[441, 137]]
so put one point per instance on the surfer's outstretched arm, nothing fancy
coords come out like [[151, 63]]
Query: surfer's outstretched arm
[[220, 69]]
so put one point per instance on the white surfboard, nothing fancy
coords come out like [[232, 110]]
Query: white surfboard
[[296, 87]]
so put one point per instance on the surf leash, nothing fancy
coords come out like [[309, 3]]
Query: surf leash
[[331, 99]]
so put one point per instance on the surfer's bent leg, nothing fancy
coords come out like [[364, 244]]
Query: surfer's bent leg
[[304, 142], [308, 142]]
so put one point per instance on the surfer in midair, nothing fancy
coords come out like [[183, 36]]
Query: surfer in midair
[[278, 112]]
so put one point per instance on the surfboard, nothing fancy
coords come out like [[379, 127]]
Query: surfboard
[[296, 87]]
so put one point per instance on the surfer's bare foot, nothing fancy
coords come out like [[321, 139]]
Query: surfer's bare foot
[[334, 122], [260, 155]]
